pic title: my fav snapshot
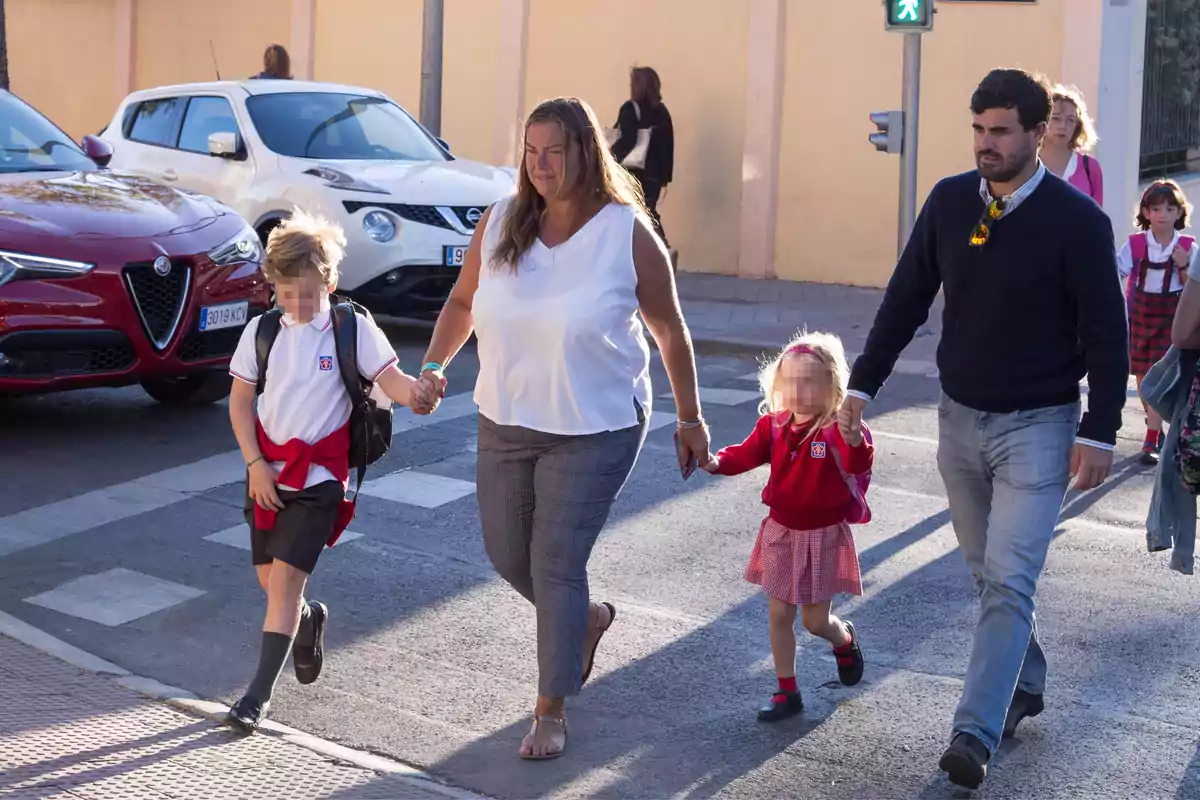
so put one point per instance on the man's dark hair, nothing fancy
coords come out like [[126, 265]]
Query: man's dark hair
[[1015, 88]]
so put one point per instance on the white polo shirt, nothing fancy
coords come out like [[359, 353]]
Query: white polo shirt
[[304, 397]]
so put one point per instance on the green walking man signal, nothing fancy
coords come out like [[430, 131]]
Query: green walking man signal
[[909, 15]]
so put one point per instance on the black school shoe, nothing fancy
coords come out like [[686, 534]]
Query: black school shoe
[[781, 706], [850, 665], [246, 715], [965, 761], [308, 661], [1023, 705]]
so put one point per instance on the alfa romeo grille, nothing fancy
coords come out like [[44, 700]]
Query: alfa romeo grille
[[159, 299]]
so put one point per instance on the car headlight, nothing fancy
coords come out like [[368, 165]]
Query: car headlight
[[379, 226], [244, 247], [24, 265], [336, 179]]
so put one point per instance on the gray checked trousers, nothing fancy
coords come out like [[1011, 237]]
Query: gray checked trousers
[[543, 499]]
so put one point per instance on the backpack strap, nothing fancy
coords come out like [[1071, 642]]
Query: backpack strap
[[264, 339], [1187, 242], [345, 338], [1137, 248], [1087, 170]]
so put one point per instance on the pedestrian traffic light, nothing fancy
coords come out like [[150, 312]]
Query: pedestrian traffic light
[[889, 138], [909, 16]]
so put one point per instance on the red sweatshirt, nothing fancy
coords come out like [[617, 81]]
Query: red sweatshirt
[[332, 453], [805, 490]]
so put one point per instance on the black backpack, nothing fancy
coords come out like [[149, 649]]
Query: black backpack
[[370, 425]]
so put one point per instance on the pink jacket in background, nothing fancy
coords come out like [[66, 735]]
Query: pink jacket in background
[[1087, 177]]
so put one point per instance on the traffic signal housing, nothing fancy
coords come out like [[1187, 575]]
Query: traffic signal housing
[[908, 16], [889, 138]]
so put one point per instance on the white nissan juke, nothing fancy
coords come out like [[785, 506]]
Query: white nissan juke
[[350, 154]]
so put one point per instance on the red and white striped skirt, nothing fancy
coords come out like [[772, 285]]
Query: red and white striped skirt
[[804, 567]]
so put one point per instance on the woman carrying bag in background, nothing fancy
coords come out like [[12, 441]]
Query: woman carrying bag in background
[[644, 142]]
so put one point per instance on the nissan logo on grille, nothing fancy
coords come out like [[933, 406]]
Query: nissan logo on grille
[[473, 215], [162, 266]]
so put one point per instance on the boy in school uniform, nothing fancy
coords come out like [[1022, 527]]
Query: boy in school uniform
[[295, 439]]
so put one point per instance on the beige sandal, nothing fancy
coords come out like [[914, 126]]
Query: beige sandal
[[537, 720]]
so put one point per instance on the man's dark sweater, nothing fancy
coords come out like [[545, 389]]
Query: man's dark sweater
[[1027, 315]]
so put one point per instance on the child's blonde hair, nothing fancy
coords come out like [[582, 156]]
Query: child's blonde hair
[[302, 244], [828, 349]]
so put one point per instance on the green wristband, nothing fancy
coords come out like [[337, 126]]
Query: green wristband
[[431, 365]]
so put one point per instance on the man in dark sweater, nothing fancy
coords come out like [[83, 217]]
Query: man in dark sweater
[[1033, 304]]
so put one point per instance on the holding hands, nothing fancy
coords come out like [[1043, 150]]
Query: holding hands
[[849, 420], [428, 391]]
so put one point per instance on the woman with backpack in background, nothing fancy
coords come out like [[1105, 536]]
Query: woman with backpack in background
[[645, 142], [1069, 137], [1155, 263]]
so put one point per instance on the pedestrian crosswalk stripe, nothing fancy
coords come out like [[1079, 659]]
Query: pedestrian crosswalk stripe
[[114, 597], [418, 488]]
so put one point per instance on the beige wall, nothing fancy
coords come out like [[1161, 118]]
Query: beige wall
[[172, 38], [469, 58], [66, 74], [838, 196], [375, 43], [586, 47]]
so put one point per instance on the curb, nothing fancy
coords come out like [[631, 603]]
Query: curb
[[184, 700]]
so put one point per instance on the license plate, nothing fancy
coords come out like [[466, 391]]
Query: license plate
[[230, 315], [453, 255]]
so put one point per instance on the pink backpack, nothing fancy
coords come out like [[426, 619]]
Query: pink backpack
[[859, 512], [1137, 252]]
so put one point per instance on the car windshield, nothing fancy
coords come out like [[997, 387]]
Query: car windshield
[[339, 126], [31, 143]]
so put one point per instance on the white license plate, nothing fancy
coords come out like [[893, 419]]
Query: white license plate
[[230, 315], [453, 255]]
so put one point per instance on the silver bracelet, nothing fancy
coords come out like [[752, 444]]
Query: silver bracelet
[[697, 423]]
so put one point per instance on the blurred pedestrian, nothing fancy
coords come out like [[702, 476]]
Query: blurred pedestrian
[[277, 64], [646, 142]]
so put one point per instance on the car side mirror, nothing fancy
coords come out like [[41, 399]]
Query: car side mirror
[[97, 150], [445, 145], [225, 144]]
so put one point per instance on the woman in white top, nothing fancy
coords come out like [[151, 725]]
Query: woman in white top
[[552, 285]]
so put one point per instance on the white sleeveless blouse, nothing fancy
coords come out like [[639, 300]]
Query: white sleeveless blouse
[[561, 347]]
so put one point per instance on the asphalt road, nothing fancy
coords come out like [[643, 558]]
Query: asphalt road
[[431, 656]]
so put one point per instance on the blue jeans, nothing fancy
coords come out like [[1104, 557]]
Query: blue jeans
[[1006, 476]]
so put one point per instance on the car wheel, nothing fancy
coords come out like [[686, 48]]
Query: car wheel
[[197, 389]]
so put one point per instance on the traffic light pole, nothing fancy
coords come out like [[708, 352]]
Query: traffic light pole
[[431, 66], [908, 153]]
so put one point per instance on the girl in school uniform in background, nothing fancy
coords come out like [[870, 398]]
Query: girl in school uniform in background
[[805, 553], [1154, 263]]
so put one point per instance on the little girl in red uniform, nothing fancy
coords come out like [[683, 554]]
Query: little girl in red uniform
[[805, 554]]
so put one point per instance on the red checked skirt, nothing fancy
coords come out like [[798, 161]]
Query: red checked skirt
[[804, 567], [1150, 317]]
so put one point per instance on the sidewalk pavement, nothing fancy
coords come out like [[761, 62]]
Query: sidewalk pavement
[[70, 734], [729, 315]]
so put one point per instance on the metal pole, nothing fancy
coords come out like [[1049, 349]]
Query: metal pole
[[431, 66], [908, 153]]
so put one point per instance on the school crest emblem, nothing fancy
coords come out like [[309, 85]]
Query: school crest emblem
[[326, 363], [818, 449]]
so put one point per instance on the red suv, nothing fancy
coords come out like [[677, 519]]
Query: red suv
[[108, 279]]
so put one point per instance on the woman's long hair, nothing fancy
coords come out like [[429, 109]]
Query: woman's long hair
[[646, 86], [1084, 138], [601, 178]]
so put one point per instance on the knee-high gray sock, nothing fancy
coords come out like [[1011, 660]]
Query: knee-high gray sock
[[275, 649]]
